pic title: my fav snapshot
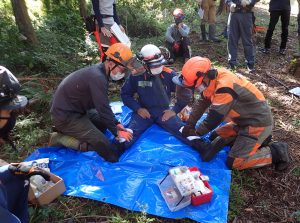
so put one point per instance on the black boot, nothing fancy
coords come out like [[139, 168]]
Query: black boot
[[217, 145], [219, 142], [113, 153], [203, 148], [280, 155], [203, 33], [212, 34]]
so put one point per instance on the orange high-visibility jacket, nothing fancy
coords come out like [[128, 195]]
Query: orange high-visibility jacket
[[230, 98]]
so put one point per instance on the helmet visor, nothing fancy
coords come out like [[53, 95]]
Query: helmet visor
[[18, 102]]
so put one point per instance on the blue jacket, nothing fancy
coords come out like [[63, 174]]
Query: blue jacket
[[154, 91], [278, 5]]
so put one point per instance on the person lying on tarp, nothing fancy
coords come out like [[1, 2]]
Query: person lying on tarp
[[154, 88], [80, 108], [14, 187], [10, 101], [233, 99]]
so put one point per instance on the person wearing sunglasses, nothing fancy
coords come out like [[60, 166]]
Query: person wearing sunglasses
[[152, 105], [80, 108], [232, 99]]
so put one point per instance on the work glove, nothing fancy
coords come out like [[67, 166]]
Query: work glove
[[176, 46], [26, 171], [121, 127], [232, 7], [125, 135]]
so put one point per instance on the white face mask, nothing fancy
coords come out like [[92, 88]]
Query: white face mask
[[202, 87], [157, 70], [117, 76]]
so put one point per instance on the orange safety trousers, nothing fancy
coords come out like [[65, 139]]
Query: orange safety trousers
[[246, 151]]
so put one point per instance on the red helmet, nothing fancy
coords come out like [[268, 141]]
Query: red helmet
[[193, 72], [178, 12], [178, 15]]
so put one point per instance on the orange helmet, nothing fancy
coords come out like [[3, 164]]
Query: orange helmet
[[120, 53], [193, 72]]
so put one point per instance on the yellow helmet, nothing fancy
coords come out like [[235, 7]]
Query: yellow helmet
[[120, 53]]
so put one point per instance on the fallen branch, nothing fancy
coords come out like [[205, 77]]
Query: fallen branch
[[278, 81], [39, 78]]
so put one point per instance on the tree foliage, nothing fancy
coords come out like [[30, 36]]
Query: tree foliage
[[63, 43]]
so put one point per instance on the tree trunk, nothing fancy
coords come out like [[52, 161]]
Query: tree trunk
[[23, 21], [82, 8], [47, 5]]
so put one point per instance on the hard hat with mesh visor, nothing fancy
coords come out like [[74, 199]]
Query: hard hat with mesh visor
[[151, 56], [120, 53]]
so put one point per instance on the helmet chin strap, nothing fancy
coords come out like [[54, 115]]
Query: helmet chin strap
[[110, 70]]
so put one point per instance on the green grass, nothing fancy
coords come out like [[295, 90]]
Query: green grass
[[240, 182]]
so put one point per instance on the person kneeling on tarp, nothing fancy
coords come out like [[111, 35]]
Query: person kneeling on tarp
[[233, 99], [80, 108]]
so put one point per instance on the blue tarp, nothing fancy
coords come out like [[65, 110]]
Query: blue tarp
[[132, 182]]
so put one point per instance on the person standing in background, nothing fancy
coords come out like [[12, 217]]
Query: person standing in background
[[209, 17], [240, 25], [278, 9], [105, 12]]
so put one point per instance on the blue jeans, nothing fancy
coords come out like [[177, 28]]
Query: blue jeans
[[139, 125]]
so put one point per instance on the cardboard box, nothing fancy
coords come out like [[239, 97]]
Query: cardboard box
[[50, 194]]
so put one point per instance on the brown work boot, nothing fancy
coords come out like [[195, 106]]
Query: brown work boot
[[280, 155], [58, 139]]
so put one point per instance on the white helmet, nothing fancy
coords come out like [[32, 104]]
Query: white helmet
[[151, 56]]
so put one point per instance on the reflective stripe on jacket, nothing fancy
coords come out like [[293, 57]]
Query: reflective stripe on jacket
[[153, 91]]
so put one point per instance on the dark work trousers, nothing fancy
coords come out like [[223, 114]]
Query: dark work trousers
[[285, 20], [87, 128], [240, 26], [139, 125], [184, 50], [13, 197]]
